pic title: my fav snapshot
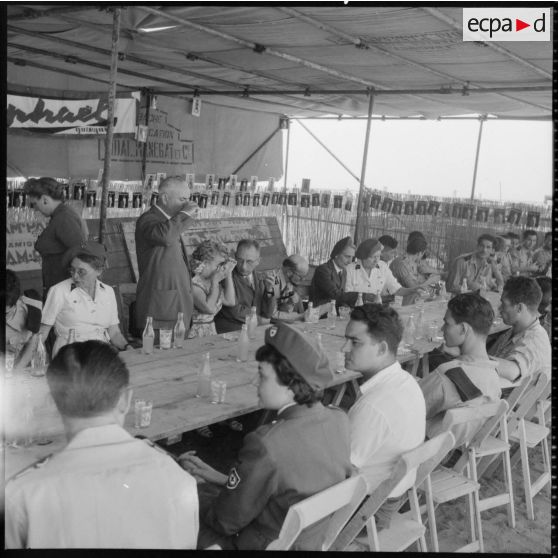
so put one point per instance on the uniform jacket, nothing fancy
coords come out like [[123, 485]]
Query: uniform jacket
[[65, 230], [164, 285], [231, 318], [304, 452], [327, 285], [473, 269]]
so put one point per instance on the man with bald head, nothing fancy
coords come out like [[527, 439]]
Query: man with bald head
[[164, 286], [282, 288]]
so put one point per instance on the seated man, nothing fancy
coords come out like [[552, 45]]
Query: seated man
[[23, 319], [525, 252], [249, 289], [524, 349], [514, 260], [470, 379], [542, 258], [545, 307], [405, 269], [105, 489], [475, 271], [330, 278], [388, 418], [502, 257], [389, 250], [304, 451], [285, 298]]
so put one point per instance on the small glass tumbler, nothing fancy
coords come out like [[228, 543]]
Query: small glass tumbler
[[10, 360], [218, 391], [142, 413], [344, 312], [340, 362], [165, 338]]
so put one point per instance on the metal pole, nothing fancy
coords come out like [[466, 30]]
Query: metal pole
[[110, 123], [144, 152], [330, 152], [287, 155], [482, 119], [363, 170]]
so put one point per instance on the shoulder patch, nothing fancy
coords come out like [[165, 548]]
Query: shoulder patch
[[234, 479]]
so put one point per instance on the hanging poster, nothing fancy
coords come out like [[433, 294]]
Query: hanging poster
[[275, 198], [304, 200], [222, 183], [214, 198], [244, 185], [305, 186], [386, 204], [283, 198], [375, 201], [337, 202], [409, 208], [226, 198], [325, 200], [349, 203], [433, 208], [265, 198], [111, 198], [238, 198], [137, 199], [315, 200], [203, 200], [79, 191], [253, 183], [292, 198], [91, 198], [467, 211], [256, 200], [514, 216], [421, 207], [482, 214], [232, 181], [397, 207], [209, 180], [499, 216], [533, 218], [456, 211], [246, 199]]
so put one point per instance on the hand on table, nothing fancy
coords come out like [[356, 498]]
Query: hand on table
[[200, 470]]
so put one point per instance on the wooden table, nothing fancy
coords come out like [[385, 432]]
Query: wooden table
[[168, 378]]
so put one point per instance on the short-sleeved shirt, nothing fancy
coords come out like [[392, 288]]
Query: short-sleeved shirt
[[23, 319], [105, 489], [69, 307], [524, 258], [441, 394], [387, 420], [530, 350], [65, 230], [542, 258], [471, 268], [407, 273], [380, 280]]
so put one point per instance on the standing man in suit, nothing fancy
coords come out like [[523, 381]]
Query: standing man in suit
[[250, 289], [329, 278], [164, 286]]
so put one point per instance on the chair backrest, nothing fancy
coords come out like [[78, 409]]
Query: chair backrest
[[518, 392], [536, 390], [423, 459], [341, 500], [456, 419]]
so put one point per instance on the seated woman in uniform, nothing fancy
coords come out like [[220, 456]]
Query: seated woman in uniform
[[304, 451], [82, 303]]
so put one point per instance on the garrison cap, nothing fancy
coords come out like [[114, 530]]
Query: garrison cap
[[302, 352]]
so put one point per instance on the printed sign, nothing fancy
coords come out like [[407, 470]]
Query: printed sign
[[20, 241]]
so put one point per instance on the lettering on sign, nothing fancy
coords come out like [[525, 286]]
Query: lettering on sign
[[165, 144], [20, 252]]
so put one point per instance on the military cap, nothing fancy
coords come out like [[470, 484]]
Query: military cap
[[368, 247], [89, 248], [302, 352]]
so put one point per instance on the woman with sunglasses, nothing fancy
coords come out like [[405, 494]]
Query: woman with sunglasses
[[82, 302]]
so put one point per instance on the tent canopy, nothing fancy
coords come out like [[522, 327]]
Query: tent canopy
[[300, 61]]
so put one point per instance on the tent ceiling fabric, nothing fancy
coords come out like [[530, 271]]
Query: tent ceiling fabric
[[346, 49]]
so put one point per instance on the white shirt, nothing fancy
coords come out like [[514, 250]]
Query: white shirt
[[388, 419], [380, 279], [106, 489], [70, 307]]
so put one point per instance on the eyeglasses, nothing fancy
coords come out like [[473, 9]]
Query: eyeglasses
[[80, 272]]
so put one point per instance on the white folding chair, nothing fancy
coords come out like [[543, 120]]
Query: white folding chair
[[529, 435], [340, 501], [444, 485], [407, 528]]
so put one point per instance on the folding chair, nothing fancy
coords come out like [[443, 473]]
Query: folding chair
[[529, 435], [444, 485], [407, 528], [341, 500]]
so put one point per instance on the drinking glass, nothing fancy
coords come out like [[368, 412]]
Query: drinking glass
[[218, 391], [165, 338]]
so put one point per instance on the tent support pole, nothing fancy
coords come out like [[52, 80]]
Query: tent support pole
[[363, 170], [110, 122], [264, 142], [287, 156], [482, 119], [144, 152], [330, 152]]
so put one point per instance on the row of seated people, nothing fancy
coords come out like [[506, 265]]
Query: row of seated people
[[111, 490]]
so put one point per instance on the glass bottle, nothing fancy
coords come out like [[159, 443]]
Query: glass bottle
[[309, 314], [409, 332], [332, 315], [39, 360], [148, 336], [359, 301], [204, 378], [252, 322], [179, 331], [419, 324], [443, 292], [71, 337], [464, 288], [243, 344]]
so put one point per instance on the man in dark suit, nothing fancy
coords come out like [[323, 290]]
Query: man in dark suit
[[249, 287], [328, 282], [164, 286], [304, 451]]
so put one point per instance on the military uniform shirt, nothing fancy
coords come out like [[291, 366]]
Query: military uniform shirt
[[380, 279], [105, 489]]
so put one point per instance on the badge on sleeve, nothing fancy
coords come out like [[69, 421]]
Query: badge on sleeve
[[272, 333], [234, 479]]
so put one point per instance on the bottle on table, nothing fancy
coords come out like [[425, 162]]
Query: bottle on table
[[419, 324], [243, 344], [309, 314], [409, 332], [443, 292], [332, 315], [179, 331], [464, 287], [71, 337], [204, 378], [252, 321], [359, 301], [148, 336], [39, 360]]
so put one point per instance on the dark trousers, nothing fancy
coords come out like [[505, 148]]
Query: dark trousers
[[207, 494]]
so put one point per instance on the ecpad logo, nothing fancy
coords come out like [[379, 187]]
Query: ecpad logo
[[506, 24]]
